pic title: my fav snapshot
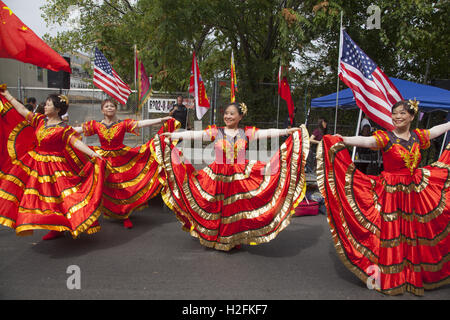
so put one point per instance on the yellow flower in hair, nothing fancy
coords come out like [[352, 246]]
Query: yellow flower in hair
[[64, 98], [414, 104], [243, 108]]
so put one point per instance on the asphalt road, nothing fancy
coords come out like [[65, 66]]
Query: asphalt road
[[157, 260]]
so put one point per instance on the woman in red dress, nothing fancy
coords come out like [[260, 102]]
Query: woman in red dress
[[390, 230], [234, 200], [45, 182], [133, 176]]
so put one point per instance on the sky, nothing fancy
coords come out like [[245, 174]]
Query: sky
[[28, 11]]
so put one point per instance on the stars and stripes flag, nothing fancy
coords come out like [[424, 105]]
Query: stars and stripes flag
[[197, 89], [233, 86], [107, 79], [374, 92]]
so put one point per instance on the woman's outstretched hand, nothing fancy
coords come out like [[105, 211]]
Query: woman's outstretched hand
[[6, 94], [292, 130]]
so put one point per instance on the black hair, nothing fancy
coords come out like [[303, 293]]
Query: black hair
[[114, 102], [59, 103], [41, 108], [31, 100], [237, 106], [321, 128], [408, 107]]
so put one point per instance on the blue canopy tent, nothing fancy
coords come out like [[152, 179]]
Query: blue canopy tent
[[431, 98]]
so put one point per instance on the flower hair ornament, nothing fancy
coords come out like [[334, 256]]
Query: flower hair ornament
[[414, 105], [243, 108], [63, 98]]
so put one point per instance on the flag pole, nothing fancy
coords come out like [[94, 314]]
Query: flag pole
[[443, 144], [357, 132], [445, 137], [135, 74], [337, 85], [278, 110], [278, 107]]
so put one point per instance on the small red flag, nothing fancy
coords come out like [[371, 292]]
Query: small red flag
[[19, 42], [233, 79], [285, 93], [197, 89], [144, 85]]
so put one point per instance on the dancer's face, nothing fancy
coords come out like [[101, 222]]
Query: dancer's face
[[401, 118], [232, 117], [109, 109], [49, 109]]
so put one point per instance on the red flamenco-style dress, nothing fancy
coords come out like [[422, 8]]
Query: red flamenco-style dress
[[390, 230], [133, 174], [234, 200], [44, 182]]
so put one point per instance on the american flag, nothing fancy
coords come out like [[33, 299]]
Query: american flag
[[374, 92], [107, 79]]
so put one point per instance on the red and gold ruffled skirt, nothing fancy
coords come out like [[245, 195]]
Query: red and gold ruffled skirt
[[390, 230], [133, 176], [59, 191], [225, 205]]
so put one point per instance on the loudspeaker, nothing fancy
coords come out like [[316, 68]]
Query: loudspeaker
[[60, 79]]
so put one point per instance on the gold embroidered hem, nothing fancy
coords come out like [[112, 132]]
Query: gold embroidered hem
[[224, 205], [396, 222]]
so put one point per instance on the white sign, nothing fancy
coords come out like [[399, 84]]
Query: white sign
[[163, 105], [160, 105]]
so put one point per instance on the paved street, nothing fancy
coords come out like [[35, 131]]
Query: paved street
[[157, 260]]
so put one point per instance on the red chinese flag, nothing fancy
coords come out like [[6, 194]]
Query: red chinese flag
[[285, 93], [19, 42], [144, 86]]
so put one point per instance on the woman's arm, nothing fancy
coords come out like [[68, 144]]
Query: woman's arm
[[16, 104], [312, 139], [78, 129], [273, 133], [150, 122], [436, 131], [78, 144], [360, 141], [187, 135]]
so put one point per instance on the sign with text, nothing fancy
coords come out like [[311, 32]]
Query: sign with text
[[163, 105]]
